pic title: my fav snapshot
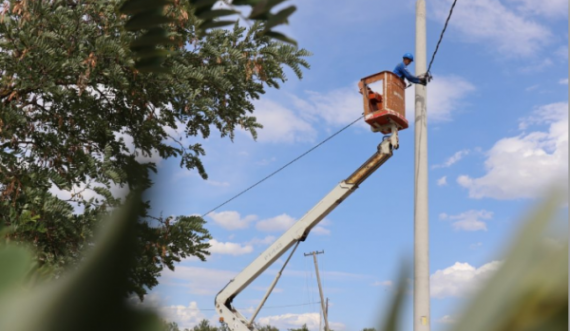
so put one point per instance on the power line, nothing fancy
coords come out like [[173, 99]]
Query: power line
[[283, 167], [269, 307], [297, 305], [441, 35]]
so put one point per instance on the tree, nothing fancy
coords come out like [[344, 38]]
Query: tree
[[266, 328], [303, 328], [150, 16], [170, 326], [204, 325], [369, 329], [77, 122]]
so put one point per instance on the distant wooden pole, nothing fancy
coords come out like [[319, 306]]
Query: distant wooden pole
[[325, 315]]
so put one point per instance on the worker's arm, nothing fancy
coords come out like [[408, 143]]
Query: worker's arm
[[404, 73], [411, 78]]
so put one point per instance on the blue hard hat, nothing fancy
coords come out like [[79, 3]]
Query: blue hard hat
[[409, 56]]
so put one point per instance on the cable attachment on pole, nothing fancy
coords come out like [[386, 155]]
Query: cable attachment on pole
[[425, 78]]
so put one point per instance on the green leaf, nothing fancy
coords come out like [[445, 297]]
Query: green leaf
[[147, 53], [152, 65], [155, 37], [245, 2], [262, 8], [15, 263], [137, 6], [530, 289], [280, 17], [208, 15], [215, 24], [146, 21], [90, 297], [279, 36], [203, 3], [148, 41], [396, 308]]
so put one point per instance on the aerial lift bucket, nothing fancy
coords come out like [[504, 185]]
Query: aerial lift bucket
[[387, 108]]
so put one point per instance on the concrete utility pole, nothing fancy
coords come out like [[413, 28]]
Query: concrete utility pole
[[325, 312], [421, 220]]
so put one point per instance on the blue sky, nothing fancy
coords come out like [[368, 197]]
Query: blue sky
[[498, 138]]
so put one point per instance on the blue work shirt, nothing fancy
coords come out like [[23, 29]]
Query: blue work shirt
[[402, 72]]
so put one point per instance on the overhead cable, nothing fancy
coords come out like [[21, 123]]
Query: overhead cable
[[441, 35], [269, 307], [283, 167]]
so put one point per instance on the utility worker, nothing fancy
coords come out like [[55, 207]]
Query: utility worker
[[402, 72]]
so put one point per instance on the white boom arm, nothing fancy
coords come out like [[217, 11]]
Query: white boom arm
[[297, 233]]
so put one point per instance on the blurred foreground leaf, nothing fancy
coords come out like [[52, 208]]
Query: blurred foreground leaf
[[529, 292], [391, 320], [91, 297], [15, 263]]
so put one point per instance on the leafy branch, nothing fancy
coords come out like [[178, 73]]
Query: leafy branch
[[148, 18]]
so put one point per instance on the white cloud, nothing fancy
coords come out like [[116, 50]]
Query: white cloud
[[563, 81], [475, 246], [342, 106], [452, 160], [229, 248], [231, 220], [525, 165], [547, 114], [277, 223], [185, 316], [562, 52], [321, 231], [460, 279], [283, 222], [442, 181], [446, 319], [84, 191], [539, 66], [385, 283], [491, 23], [265, 241], [289, 321], [445, 94], [471, 220], [140, 155], [530, 88], [281, 124], [217, 184], [548, 8], [199, 281], [265, 162], [337, 107], [330, 275], [265, 288]]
